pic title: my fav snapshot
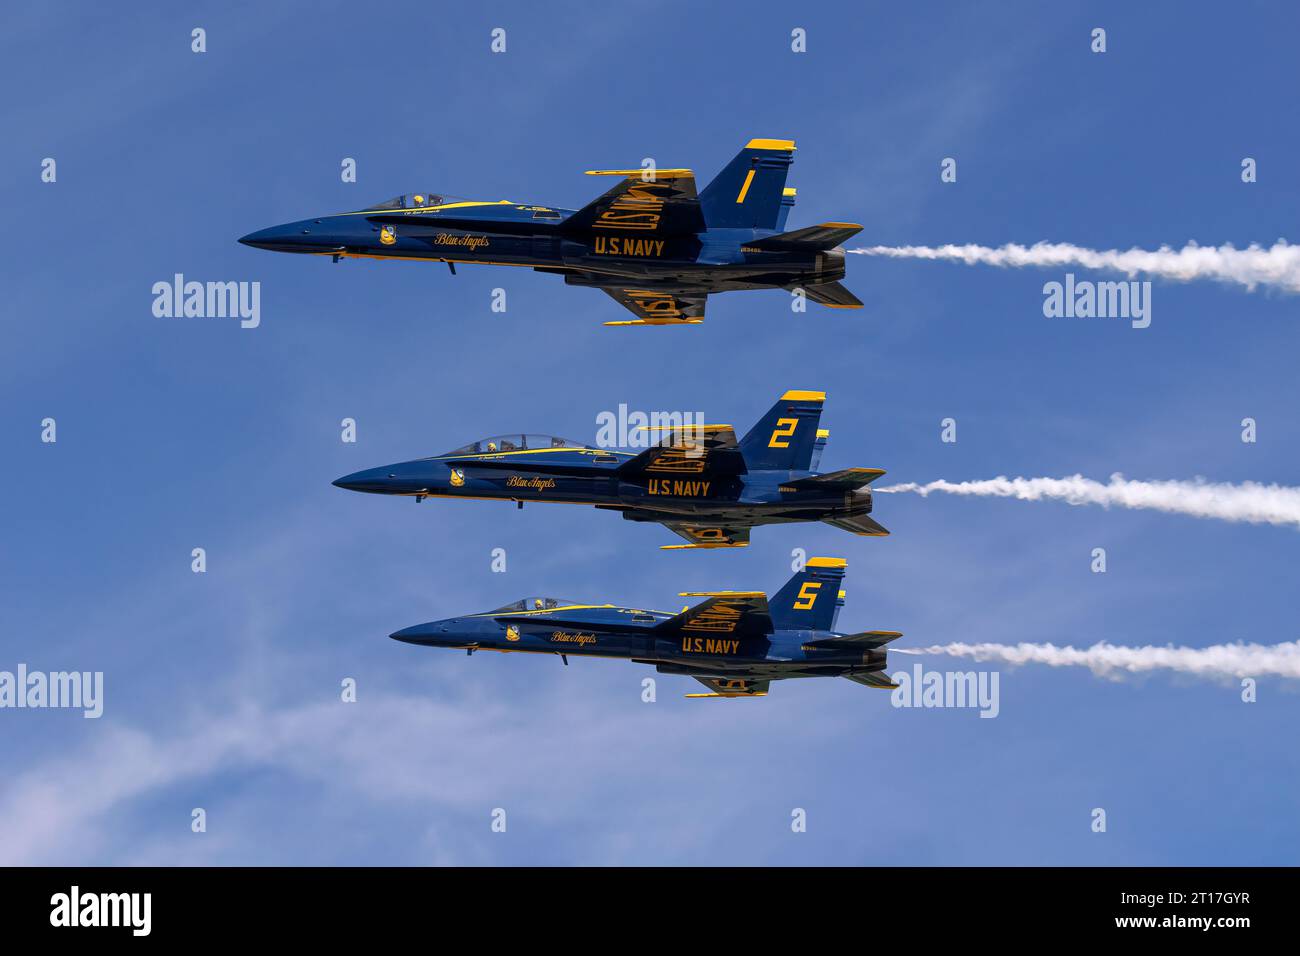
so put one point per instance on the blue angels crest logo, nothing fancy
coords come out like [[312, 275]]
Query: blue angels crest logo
[[457, 478]]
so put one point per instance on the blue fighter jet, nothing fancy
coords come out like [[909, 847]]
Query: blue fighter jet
[[651, 243], [697, 480], [734, 642]]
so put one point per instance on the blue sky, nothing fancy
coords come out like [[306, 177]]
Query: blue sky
[[222, 689]]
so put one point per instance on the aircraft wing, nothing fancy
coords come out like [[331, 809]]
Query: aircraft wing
[[723, 614], [706, 438], [732, 687], [706, 536], [667, 205], [687, 451], [659, 306]]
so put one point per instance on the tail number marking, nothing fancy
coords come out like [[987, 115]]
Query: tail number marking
[[807, 595], [781, 434]]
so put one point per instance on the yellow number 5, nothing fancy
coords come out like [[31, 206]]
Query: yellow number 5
[[807, 596]]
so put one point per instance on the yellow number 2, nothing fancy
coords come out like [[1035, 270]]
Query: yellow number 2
[[784, 429]]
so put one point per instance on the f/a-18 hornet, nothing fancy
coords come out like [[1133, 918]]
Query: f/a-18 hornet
[[654, 245], [734, 642], [697, 481]]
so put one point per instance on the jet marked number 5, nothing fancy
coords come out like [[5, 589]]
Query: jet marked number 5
[[781, 434], [807, 596]]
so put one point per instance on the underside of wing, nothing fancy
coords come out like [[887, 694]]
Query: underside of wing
[[732, 687], [706, 536], [659, 306]]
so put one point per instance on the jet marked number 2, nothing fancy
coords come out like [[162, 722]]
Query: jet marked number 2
[[807, 595], [781, 434]]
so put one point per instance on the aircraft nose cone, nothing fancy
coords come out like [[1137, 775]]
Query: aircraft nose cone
[[263, 238], [372, 479], [410, 635], [434, 632], [310, 235]]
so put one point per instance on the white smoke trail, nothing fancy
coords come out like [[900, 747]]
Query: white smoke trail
[[1276, 267], [1103, 659], [1248, 501]]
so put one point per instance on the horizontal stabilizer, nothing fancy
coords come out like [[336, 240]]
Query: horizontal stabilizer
[[809, 239], [858, 524], [878, 680], [833, 296], [864, 640], [844, 478]]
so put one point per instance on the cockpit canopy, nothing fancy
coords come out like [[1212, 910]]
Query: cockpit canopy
[[412, 201], [500, 443], [536, 604]]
